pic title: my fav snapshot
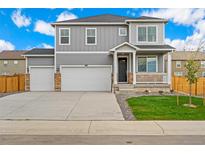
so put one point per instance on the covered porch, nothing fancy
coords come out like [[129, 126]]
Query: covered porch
[[141, 65]]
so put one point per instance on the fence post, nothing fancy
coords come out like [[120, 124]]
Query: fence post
[[196, 88]]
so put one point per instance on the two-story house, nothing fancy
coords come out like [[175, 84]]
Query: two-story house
[[180, 58], [99, 52], [12, 62]]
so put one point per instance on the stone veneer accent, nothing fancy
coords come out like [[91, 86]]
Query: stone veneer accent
[[57, 81], [27, 82], [149, 77], [130, 77]]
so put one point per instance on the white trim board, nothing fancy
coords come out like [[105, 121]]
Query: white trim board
[[34, 66], [91, 23], [81, 66], [39, 55], [82, 52]]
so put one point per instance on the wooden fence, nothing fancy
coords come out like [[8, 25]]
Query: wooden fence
[[180, 84], [13, 83]]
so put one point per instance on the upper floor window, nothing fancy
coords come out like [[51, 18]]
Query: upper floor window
[[142, 34], [178, 73], [91, 36], [178, 64], [147, 33], [15, 62], [152, 34], [64, 36], [147, 64], [5, 62], [122, 31], [202, 64]]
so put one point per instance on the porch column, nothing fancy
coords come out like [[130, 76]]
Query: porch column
[[169, 68], [115, 68], [134, 71]]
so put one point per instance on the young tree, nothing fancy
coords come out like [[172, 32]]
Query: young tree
[[192, 68]]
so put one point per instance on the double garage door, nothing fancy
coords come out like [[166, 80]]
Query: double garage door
[[73, 78]]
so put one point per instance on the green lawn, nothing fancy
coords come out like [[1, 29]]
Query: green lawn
[[165, 108]]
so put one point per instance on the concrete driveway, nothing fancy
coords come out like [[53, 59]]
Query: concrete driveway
[[60, 106]]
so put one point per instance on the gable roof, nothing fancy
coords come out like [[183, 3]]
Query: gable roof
[[99, 18], [12, 54], [110, 18], [186, 55], [123, 44], [40, 51]]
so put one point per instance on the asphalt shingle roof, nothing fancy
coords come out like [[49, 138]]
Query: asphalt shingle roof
[[40, 51], [186, 55], [100, 18], [108, 18], [155, 46], [12, 54]]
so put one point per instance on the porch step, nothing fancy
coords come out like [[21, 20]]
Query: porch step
[[143, 87]]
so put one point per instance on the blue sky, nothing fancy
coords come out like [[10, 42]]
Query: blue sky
[[29, 28]]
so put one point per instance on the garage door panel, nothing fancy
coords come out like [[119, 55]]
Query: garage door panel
[[86, 79], [42, 79]]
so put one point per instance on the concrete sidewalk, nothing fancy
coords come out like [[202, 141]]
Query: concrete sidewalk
[[102, 127]]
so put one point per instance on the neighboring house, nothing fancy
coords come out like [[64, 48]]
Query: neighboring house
[[12, 62], [179, 59], [99, 52]]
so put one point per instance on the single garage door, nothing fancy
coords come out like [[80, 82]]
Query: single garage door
[[89, 78], [42, 78]]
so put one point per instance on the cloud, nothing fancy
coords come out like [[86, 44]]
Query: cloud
[[19, 19], [44, 45], [44, 28], [66, 16], [179, 16], [131, 12], [5, 45], [186, 17]]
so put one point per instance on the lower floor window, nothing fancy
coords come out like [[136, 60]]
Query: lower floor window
[[203, 74], [147, 64], [178, 73]]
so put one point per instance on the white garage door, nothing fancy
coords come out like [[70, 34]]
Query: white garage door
[[41, 78], [89, 78]]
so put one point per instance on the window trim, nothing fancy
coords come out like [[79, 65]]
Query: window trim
[[86, 43], [119, 30], [146, 63], [68, 36], [140, 25], [201, 64], [180, 64]]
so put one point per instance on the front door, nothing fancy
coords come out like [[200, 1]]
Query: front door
[[122, 69]]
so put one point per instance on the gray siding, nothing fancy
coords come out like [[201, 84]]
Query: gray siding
[[133, 33], [40, 61], [107, 38], [83, 59]]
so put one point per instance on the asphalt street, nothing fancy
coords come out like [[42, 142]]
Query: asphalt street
[[101, 140]]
